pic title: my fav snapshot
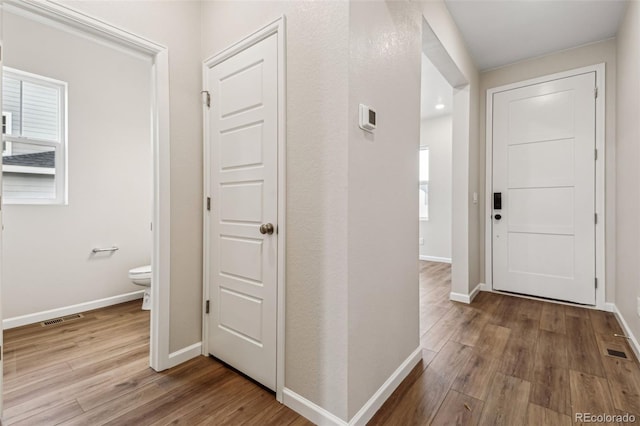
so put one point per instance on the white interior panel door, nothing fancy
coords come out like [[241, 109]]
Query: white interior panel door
[[243, 121], [544, 174]]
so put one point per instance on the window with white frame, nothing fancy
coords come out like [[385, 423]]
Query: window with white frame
[[423, 192], [34, 138]]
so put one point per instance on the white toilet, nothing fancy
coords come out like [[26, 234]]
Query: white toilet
[[142, 276]]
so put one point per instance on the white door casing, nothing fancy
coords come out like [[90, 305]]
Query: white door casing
[[544, 167], [241, 263]]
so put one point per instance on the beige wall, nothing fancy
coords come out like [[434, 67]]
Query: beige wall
[[385, 73], [317, 110], [436, 133], [47, 261], [591, 54], [175, 25], [627, 171]]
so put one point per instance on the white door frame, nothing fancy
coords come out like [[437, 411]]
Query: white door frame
[[275, 27], [159, 342], [599, 69]]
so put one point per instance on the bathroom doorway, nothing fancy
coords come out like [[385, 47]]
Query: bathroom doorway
[[83, 161]]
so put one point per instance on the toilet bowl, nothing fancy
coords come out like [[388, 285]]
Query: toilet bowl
[[142, 276]]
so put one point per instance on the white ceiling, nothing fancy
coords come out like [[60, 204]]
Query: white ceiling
[[435, 89], [500, 32]]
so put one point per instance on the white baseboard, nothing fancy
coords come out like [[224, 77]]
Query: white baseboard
[[609, 307], [466, 298], [435, 259], [372, 406], [475, 291], [312, 412], [633, 342], [69, 310], [184, 354], [322, 417]]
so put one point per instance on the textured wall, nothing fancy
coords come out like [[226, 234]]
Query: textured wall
[[627, 171], [385, 73]]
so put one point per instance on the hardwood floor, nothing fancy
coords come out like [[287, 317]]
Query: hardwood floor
[[499, 361], [94, 371], [511, 361]]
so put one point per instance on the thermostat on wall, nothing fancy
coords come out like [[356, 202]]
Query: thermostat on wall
[[367, 118]]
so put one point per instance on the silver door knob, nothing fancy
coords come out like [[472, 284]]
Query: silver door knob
[[266, 228]]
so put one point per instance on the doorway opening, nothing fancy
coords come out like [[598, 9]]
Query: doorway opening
[[38, 78]]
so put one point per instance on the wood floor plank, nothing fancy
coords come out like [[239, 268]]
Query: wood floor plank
[[54, 415], [518, 358], [552, 318], [590, 394], [123, 386], [582, 348], [51, 396], [551, 349], [469, 330], [421, 401], [389, 408], [604, 322], [493, 340], [209, 402], [103, 413], [531, 309], [476, 376], [624, 383], [536, 340], [430, 315], [168, 401], [507, 402], [112, 381], [482, 350], [441, 332], [458, 409], [550, 389], [576, 312], [537, 416]]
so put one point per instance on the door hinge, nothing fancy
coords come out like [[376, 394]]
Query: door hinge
[[595, 154], [595, 92], [208, 203], [596, 282], [206, 307], [207, 98], [595, 218]]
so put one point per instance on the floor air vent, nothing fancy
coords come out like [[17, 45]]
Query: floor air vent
[[61, 320], [617, 354]]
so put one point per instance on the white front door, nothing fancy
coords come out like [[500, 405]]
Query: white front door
[[544, 177], [243, 138]]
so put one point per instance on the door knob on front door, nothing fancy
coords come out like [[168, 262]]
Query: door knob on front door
[[497, 216], [266, 228]]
